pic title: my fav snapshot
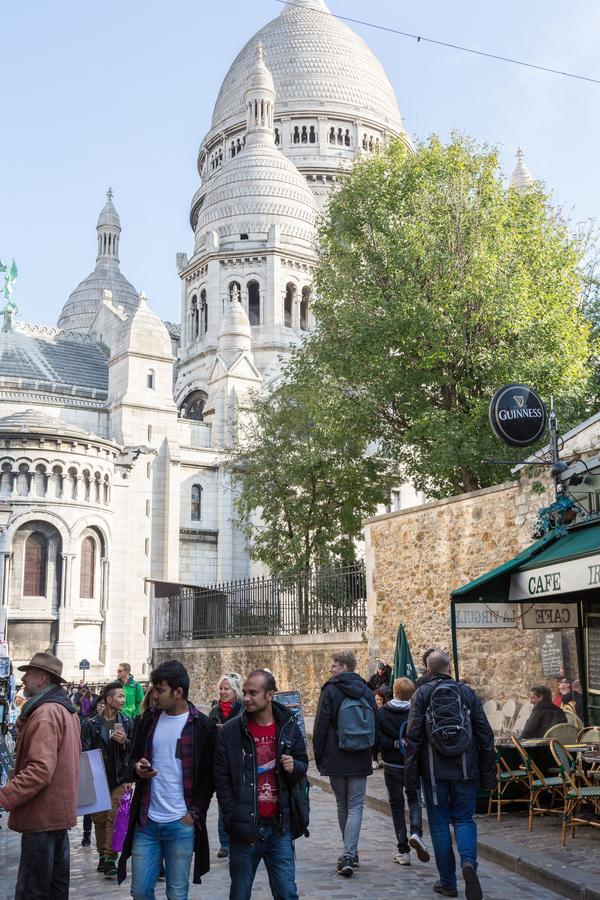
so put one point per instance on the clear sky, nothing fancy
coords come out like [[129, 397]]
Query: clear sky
[[97, 94]]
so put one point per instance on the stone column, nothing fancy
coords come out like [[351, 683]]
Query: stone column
[[6, 567]]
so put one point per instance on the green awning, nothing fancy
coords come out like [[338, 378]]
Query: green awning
[[580, 541]]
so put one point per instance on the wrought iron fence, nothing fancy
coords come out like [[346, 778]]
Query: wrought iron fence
[[320, 601]]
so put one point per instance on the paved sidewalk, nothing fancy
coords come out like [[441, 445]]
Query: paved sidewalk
[[378, 878]]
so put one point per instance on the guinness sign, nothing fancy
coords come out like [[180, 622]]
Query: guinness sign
[[517, 415]]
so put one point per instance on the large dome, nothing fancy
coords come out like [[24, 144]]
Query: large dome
[[317, 63]]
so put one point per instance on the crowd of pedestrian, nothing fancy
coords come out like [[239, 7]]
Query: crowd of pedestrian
[[434, 741]]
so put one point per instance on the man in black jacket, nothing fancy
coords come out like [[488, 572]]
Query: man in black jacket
[[450, 782], [543, 715], [347, 770], [110, 732], [260, 754], [172, 762]]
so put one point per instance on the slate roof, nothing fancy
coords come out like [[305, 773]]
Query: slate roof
[[53, 361]]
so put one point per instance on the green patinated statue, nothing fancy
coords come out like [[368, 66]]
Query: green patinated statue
[[10, 308]]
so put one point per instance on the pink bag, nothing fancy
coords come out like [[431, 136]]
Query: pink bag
[[121, 821]]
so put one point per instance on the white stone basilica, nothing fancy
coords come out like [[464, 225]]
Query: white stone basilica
[[113, 426]]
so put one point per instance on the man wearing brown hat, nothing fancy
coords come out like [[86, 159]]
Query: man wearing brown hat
[[42, 794]]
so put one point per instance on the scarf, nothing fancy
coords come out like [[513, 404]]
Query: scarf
[[36, 701], [225, 708]]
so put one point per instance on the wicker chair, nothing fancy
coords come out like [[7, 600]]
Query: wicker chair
[[591, 733], [540, 784], [563, 732], [576, 795], [505, 779]]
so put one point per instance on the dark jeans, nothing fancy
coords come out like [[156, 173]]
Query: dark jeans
[[44, 867], [456, 802], [394, 782], [223, 836], [277, 851]]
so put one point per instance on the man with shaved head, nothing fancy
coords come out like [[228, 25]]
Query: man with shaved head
[[450, 748]]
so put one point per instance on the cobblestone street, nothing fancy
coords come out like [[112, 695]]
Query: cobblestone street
[[378, 877]]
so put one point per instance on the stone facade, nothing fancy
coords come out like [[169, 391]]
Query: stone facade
[[299, 663]]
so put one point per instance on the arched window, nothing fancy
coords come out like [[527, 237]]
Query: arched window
[[254, 302], [150, 379], [193, 406], [194, 318], [276, 136], [196, 503], [347, 137], [332, 135], [296, 136], [36, 564], [311, 135], [304, 135], [304, 305], [203, 313], [57, 481], [288, 305], [87, 568]]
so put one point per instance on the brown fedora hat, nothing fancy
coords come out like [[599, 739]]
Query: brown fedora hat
[[47, 663]]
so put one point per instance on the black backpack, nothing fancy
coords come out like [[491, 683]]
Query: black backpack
[[448, 725]]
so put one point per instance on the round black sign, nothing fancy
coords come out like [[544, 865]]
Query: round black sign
[[517, 415]]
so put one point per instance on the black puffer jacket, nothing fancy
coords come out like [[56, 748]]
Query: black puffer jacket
[[480, 757], [542, 717], [329, 758], [235, 772], [390, 718], [92, 739]]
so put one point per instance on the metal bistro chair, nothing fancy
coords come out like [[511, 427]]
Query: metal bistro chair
[[506, 778], [509, 711], [539, 784], [589, 734], [575, 795], [563, 732]]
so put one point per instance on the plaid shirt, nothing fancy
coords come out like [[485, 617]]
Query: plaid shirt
[[187, 761]]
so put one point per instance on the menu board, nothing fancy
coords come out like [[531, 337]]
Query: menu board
[[292, 700], [593, 654], [552, 657]]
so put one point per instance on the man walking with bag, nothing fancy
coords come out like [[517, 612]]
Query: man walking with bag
[[111, 732], [343, 741], [260, 761], [42, 794], [450, 747]]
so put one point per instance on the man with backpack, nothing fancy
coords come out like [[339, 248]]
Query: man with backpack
[[392, 720], [343, 741], [450, 747]]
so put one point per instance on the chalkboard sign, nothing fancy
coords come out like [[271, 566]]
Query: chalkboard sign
[[292, 700], [6, 760], [593, 653], [552, 658]]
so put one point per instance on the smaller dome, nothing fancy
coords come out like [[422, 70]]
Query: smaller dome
[[521, 179], [108, 214], [235, 334], [260, 78]]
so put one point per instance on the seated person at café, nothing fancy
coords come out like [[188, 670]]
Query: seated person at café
[[543, 715]]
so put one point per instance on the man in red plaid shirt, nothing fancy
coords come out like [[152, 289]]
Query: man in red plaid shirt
[[172, 762]]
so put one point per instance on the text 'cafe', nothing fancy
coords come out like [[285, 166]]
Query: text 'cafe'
[[549, 596]]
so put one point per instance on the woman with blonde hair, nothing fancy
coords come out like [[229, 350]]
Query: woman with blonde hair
[[228, 706]]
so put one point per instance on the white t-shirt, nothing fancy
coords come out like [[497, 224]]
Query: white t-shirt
[[167, 802]]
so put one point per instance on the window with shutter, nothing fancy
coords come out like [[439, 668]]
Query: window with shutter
[[86, 572], [36, 563]]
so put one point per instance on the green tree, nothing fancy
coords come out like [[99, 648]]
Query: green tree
[[306, 479], [437, 284]]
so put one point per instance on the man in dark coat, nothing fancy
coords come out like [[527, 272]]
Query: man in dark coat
[[347, 770], [450, 783], [381, 677], [172, 763], [543, 715], [260, 755]]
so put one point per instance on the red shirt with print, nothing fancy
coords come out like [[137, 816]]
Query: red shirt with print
[[265, 745]]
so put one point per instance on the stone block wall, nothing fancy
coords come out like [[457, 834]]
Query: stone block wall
[[299, 662]]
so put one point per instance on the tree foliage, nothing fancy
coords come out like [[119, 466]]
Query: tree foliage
[[437, 284], [303, 464]]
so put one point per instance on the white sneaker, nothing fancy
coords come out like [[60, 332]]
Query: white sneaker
[[417, 844], [403, 859]]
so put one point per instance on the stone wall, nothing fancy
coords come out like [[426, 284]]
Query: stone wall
[[417, 557], [299, 662]]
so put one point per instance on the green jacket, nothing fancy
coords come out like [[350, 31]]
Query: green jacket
[[134, 694]]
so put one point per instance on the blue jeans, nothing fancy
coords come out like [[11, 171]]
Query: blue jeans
[[153, 842], [223, 836], [456, 802], [277, 851]]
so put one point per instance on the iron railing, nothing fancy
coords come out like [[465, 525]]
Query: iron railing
[[316, 602]]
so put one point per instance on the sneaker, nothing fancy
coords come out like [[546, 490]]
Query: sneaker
[[110, 868], [355, 862], [101, 862], [402, 859], [86, 841], [472, 886], [440, 888], [222, 853], [345, 867], [416, 842]]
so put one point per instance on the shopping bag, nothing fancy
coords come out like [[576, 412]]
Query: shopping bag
[[121, 821]]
